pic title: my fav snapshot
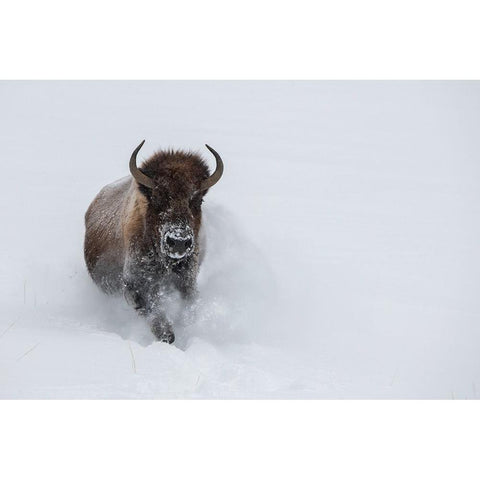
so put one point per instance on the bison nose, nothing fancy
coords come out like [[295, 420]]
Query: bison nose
[[178, 243]]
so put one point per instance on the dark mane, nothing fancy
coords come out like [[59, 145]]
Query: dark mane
[[175, 162]]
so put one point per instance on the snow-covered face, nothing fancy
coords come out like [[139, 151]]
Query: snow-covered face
[[174, 216], [173, 184]]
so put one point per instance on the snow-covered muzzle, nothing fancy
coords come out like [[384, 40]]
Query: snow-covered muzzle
[[177, 241]]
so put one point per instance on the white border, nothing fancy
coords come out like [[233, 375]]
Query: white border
[[239, 440], [259, 39]]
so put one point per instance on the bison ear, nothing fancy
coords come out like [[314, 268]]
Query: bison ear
[[145, 191]]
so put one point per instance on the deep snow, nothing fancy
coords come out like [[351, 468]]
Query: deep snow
[[342, 240]]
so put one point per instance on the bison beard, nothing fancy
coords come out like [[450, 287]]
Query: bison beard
[[142, 233]]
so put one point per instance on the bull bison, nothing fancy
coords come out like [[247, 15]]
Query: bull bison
[[142, 232]]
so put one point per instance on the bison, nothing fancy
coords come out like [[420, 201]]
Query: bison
[[142, 233]]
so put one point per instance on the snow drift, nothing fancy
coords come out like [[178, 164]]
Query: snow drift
[[342, 253]]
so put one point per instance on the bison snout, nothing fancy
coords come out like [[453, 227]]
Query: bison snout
[[178, 242]]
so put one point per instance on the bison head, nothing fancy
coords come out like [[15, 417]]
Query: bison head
[[174, 184]]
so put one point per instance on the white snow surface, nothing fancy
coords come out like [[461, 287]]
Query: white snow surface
[[342, 242]]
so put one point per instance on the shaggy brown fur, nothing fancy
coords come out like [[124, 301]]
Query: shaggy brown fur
[[124, 225]]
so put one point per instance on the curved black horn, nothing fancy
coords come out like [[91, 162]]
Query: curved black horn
[[217, 174], [136, 173]]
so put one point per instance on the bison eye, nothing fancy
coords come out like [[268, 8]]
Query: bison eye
[[196, 202]]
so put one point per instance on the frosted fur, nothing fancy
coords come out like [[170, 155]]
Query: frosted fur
[[110, 203]]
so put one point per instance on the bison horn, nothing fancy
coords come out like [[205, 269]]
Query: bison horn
[[216, 175], [136, 173]]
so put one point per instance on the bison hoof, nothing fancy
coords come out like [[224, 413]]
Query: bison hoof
[[163, 333], [168, 337]]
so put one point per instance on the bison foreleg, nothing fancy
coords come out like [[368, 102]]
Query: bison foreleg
[[161, 327]]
